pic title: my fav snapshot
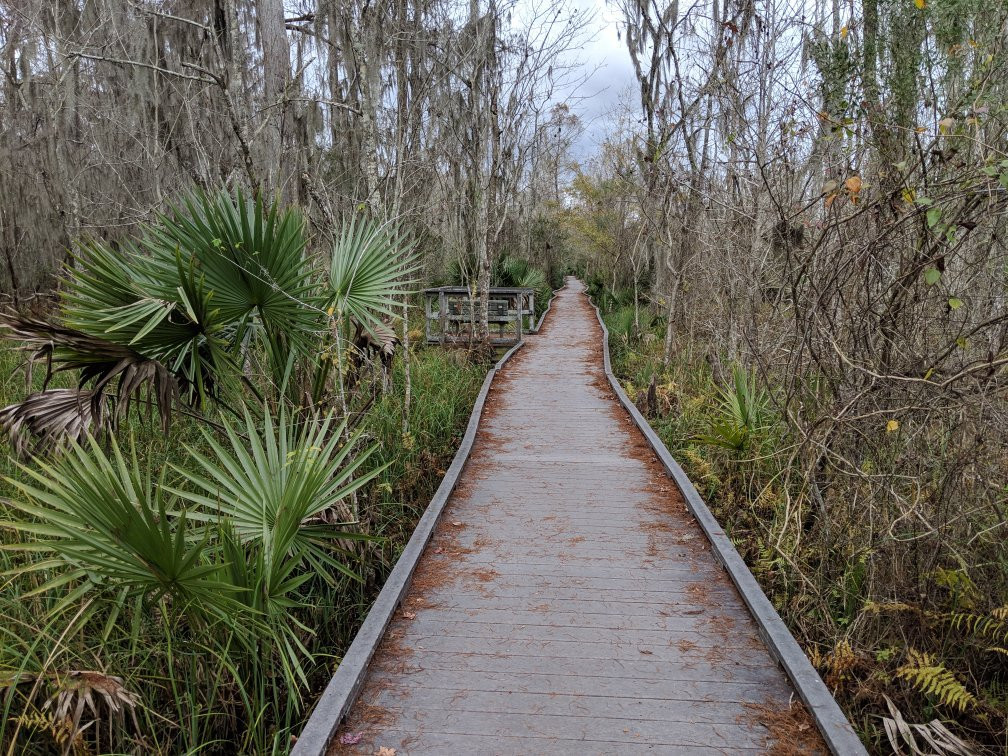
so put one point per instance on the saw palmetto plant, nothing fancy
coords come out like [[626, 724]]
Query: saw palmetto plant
[[217, 302], [217, 284], [225, 550], [741, 412], [219, 310], [371, 272], [371, 268]]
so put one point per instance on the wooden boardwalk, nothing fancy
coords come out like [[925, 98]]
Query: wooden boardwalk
[[568, 602]]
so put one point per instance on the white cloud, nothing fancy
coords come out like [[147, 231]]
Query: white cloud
[[606, 73]]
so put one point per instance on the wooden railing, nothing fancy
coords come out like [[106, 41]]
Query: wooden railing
[[452, 315]]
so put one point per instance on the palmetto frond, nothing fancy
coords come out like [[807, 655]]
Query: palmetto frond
[[55, 415], [113, 294], [514, 271], [282, 486], [380, 343], [106, 524], [52, 418], [250, 255], [742, 412], [214, 277], [371, 266]]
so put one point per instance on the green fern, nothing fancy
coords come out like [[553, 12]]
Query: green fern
[[993, 626], [932, 679]]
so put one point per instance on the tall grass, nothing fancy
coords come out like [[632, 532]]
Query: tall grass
[[162, 679], [928, 639]]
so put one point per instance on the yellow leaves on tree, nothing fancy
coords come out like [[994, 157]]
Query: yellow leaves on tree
[[851, 187], [919, 3]]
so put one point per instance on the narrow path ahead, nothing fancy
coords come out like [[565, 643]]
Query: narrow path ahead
[[568, 603]]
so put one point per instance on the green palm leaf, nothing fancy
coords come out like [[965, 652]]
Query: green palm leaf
[[251, 256], [215, 278], [741, 414], [370, 269], [104, 521], [283, 487]]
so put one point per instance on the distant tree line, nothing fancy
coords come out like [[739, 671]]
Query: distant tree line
[[438, 114]]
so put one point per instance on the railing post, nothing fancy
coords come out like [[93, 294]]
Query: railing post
[[428, 316], [519, 311], [442, 314]]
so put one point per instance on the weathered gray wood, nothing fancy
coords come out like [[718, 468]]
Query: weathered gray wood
[[508, 306], [442, 317], [831, 721], [566, 564], [342, 689], [638, 709], [446, 690], [680, 731], [459, 743], [532, 635]]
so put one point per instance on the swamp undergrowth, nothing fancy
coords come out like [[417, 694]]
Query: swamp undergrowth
[[211, 480], [905, 616]]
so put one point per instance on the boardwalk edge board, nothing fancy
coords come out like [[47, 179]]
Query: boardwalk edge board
[[545, 312], [832, 722], [342, 690]]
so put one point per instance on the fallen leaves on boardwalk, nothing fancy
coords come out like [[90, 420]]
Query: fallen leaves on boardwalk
[[791, 731]]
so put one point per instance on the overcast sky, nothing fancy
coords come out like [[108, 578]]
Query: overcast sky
[[606, 62]]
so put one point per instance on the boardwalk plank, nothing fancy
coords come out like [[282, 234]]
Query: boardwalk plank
[[677, 731], [455, 743], [439, 688], [557, 648], [638, 709], [699, 637], [567, 602]]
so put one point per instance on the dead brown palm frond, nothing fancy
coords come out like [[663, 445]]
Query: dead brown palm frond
[[75, 692], [935, 735], [79, 689], [379, 343], [54, 416]]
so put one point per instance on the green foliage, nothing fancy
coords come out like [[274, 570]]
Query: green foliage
[[107, 524], [212, 574], [934, 680], [741, 414], [993, 626], [369, 272], [514, 271], [444, 384], [218, 300], [235, 542], [210, 281], [282, 487], [214, 571], [621, 324]]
